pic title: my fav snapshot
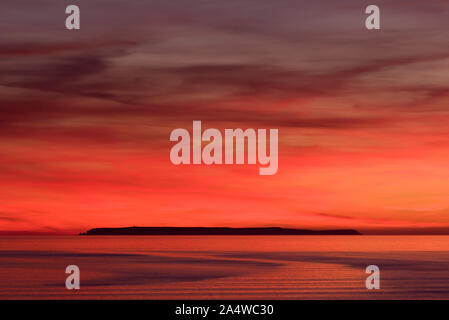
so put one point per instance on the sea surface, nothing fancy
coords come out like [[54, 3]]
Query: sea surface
[[224, 267]]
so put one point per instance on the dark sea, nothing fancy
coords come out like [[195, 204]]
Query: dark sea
[[224, 267]]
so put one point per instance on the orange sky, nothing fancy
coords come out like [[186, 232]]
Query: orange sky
[[86, 115]]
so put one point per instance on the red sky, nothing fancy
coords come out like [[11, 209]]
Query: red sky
[[86, 115]]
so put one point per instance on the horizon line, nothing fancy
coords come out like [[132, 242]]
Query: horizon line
[[436, 231]]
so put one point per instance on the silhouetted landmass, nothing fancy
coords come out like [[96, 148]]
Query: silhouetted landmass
[[206, 231]]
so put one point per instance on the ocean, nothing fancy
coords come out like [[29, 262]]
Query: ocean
[[224, 267]]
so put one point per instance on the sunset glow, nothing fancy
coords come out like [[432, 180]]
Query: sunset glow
[[86, 116]]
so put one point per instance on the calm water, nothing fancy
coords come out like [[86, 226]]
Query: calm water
[[225, 267]]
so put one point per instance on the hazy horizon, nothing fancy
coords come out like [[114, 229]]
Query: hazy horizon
[[363, 232]]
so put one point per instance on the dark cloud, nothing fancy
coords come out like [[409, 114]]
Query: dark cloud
[[97, 76], [99, 80], [10, 218], [20, 50]]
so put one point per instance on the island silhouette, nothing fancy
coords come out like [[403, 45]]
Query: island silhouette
[[210, 231]]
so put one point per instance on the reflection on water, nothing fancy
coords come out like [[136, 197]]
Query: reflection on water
[[225, 267]]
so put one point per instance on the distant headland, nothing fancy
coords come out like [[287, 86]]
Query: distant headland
[[212, 231]]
